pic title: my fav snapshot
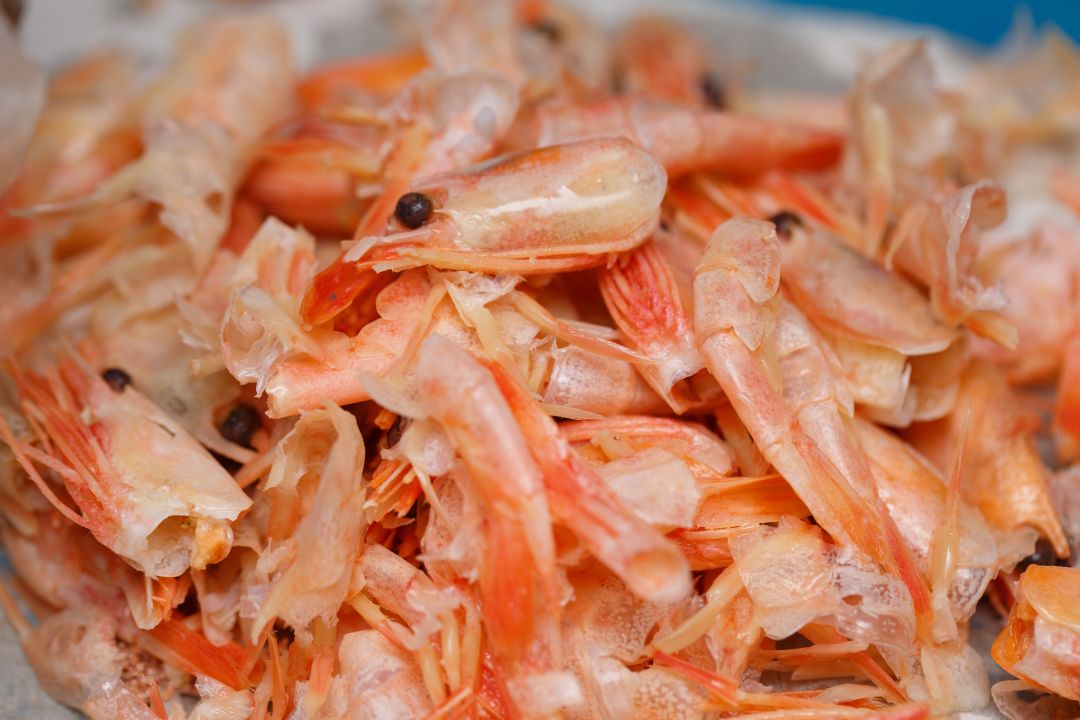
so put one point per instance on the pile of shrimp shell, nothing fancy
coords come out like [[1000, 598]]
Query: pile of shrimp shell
[[535, 370]]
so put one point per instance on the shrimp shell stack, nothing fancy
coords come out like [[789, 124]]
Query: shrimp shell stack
[[537, 371]]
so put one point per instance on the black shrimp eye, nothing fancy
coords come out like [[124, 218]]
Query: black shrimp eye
[[413, 209], [230, 465], [548, 29], [116, 378], [713, 91], [13, 11], [785, 222], [1044, 555], [240, 424], [393, 434], [618, 82]]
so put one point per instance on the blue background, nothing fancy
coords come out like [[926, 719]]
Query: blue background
[[983, 21]]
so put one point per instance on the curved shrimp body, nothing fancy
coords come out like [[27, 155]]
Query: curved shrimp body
[[641, 294], [598, 384], [732, 509], [228, 83], [377, 679], [649, 564], [302, 383], [1038, 643], [556, 208], [735, 315], [310, 177], [663, 59], [84, 133], [518, 587], [734, 286], [847, 293], [147, 490], [880, 326], [231, 71], [706, 455], [823, 408], [685, 140], [1004, 476], [351, 82]]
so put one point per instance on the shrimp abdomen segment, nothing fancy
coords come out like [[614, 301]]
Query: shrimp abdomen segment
[[739, 275], [686, 140], [849, 294], [730, 143], [641, 294], [517, 577], [641, 556]]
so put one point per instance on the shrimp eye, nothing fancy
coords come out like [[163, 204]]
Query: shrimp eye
[[13, 11], [116, 378], [785, 222], [240, 424], [413, 209], [1044, 555], [548, 29], [713, 91], [394, 432]]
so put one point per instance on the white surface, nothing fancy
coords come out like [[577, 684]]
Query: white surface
[[786, 45]]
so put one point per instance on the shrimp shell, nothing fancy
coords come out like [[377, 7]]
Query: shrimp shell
[[552, 208]]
